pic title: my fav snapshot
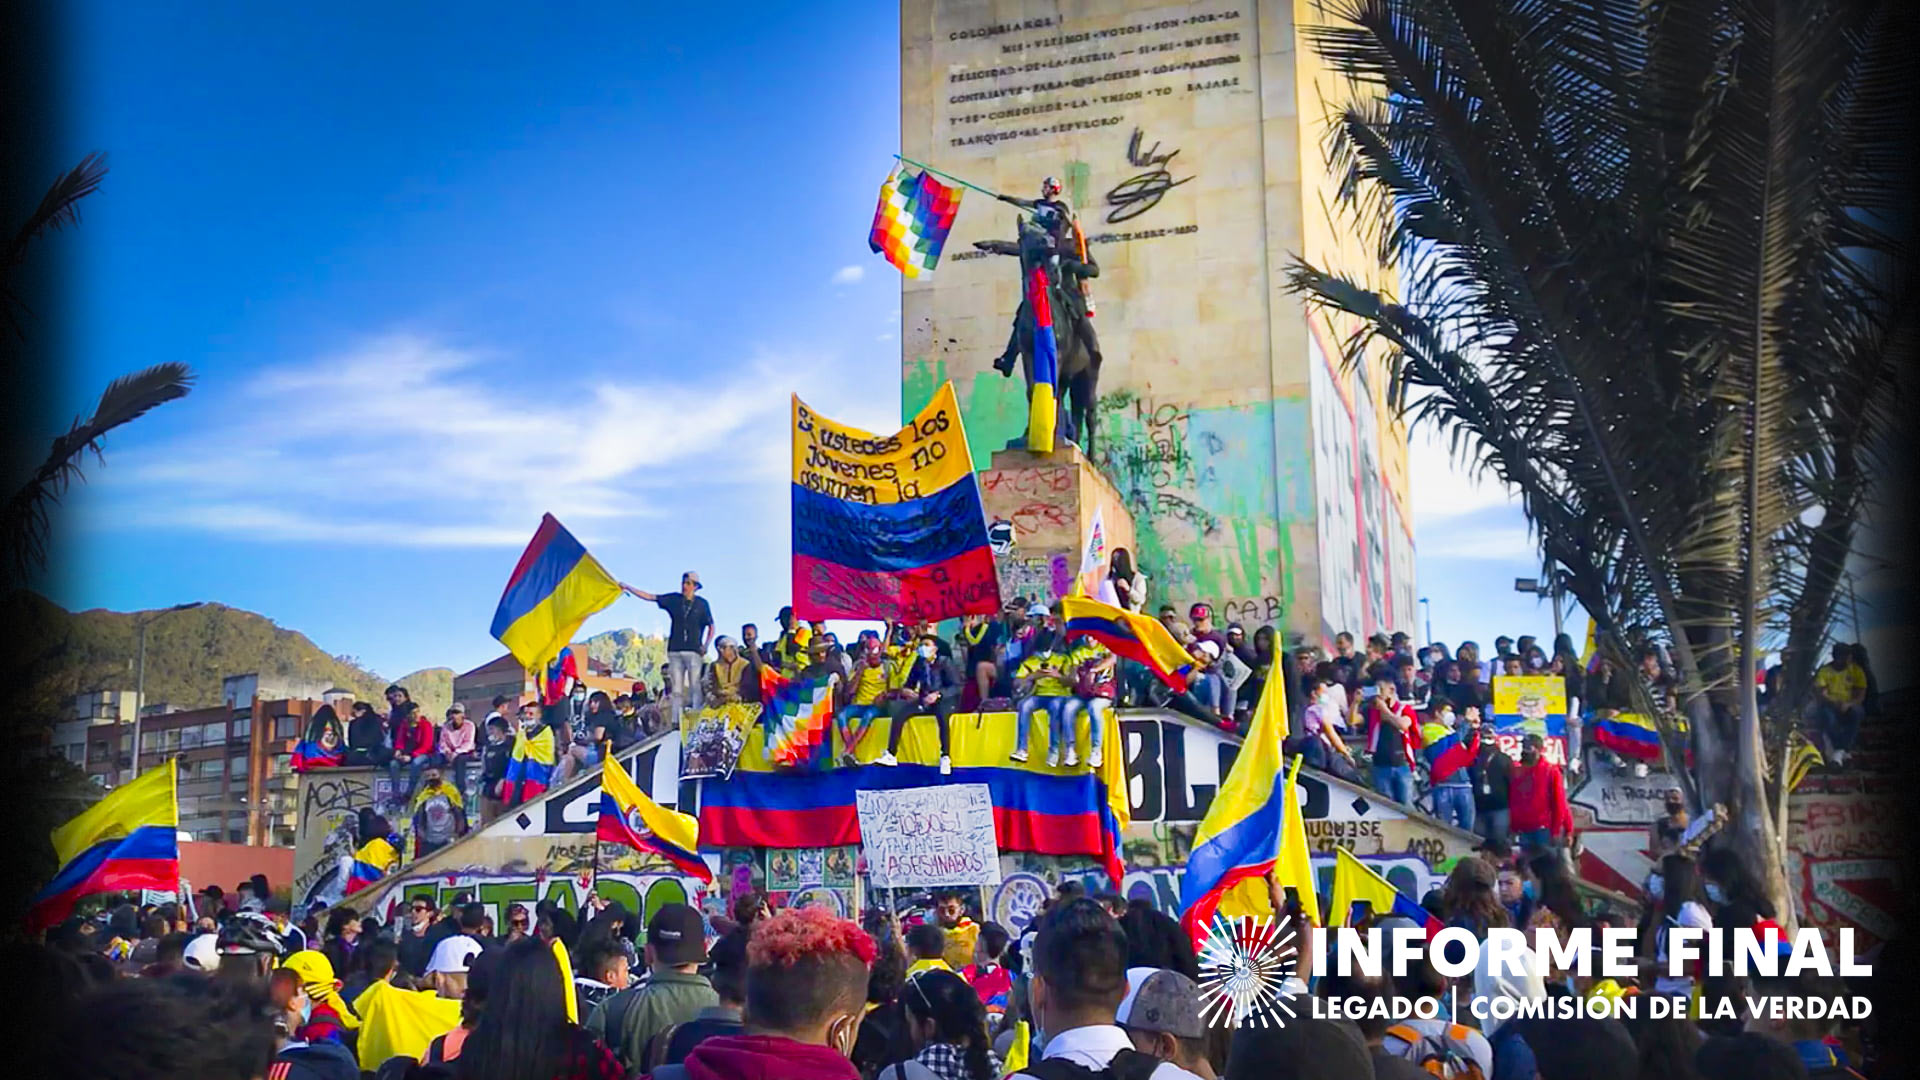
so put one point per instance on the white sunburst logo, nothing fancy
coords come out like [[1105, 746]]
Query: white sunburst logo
[[1246, 971]]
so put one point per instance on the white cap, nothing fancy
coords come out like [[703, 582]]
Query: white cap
[[454, 955], [202, 953]]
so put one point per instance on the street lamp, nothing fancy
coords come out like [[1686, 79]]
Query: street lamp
[[1548, 590], [140, 676]]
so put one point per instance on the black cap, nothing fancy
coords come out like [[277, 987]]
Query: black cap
[[677, 935]]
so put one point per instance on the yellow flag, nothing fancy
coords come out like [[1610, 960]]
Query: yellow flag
[[1017, 1052], [1294, 865], [400, 1023], [566, 980]]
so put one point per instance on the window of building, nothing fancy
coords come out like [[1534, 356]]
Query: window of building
[[242, 727], [207, 770], [285, 726], [170, 739], [189, 738], [213, 734], [237, 767]]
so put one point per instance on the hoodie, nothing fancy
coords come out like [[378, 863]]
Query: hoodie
[[314, 1061], [766, 1057]]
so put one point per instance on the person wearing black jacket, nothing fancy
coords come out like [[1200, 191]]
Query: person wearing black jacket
[[367, 737], [496, 753], [932, 687], [1491, 774]]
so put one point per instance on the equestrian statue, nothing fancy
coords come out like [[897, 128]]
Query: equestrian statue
[[1050, 238]]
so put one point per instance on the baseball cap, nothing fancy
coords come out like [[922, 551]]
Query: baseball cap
[[313, 967], [723, 641], [453, 955], [1200, 611], [1038, 611], [690, 576], [677, 935], [1161, 1000], [202, 953]]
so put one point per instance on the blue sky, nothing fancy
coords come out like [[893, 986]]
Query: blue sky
[[442, 269]]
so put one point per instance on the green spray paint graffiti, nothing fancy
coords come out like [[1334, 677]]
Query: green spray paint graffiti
[[1212, 521]]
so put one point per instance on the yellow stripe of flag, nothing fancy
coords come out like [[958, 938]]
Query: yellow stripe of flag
[[147, 800]]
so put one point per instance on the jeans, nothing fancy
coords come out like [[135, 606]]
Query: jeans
[[414, 767], [1573, 735], [1210, 690], [1395, 782], [1534, 838], [1492, 824], [1070, 720], [1453, 804], [898, 712], [850, 732], [1023, 719], [462, 766], [683, 668], [1840, 724]]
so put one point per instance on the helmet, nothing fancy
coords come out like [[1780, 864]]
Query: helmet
[[202, 953], [1049, 187], [249, 933]]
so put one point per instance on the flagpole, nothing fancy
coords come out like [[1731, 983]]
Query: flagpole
[[948, 175]]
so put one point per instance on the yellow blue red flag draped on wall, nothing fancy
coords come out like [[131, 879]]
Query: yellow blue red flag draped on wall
[[889, 526], [628, 816], [552, 590]]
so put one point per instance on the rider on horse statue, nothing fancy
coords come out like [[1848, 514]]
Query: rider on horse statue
[[1056, 219]]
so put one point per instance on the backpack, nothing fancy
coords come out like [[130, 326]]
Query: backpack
[[1436, 1054], [1126, 1065]]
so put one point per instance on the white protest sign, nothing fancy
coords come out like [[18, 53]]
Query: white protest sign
[[928, 837]]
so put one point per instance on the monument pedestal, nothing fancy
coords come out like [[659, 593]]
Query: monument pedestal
[[1040, 511]]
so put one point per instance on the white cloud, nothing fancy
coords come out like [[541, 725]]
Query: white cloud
[[1442, 486], [408, 441], [849, 274]]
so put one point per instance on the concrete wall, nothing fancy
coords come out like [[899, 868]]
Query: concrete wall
[[1208, 405]]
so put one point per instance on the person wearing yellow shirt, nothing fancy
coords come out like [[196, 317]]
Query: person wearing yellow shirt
[[1044, 682], [926, 947], [962, 933], [866, 691], [1092, 666], [1842, 703], [790, 648]]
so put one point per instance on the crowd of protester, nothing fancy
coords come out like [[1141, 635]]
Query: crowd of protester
[[1097, 986]]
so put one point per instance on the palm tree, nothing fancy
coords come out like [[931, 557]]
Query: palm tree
[[1650, 266], [23, 518]]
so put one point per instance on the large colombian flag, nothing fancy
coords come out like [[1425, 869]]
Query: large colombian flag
[[127, 840], [1253, 828], [628, 817], [1046, 364], [1134, 636], [554, 587], [889, 526]]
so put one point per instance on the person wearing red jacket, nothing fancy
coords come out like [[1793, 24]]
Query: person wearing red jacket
[[1392, 737], [414, 740], [1537, 799]]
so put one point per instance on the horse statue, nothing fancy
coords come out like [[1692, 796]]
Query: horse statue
[[1078, 371]]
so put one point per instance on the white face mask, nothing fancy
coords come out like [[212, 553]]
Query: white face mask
[[928, 651]]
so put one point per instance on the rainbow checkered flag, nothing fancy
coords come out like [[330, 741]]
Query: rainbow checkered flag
[[911, 223]]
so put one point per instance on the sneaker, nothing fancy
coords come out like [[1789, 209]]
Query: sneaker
[[848, 761], [946, 765], [1053, 759], [1093, 758], [1073, 756], [1019, 756], [886, 759], [1574, 766], [1640, 770]]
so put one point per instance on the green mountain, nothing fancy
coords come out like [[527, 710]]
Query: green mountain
[[629, 653], [188, 653]]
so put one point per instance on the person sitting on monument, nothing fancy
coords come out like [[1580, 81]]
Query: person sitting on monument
[[979, 643], [1055, 218], [1206, 683], [931, 687], [1093, 668], [863, 695], [731, 678], [1045, 682]]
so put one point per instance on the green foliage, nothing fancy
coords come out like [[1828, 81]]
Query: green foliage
[[629, 653], [60, 654]]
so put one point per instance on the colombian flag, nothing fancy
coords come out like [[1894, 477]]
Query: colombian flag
[[553, 589], [1630, 734], [1354, 881], [530, 768], [628, 817], [1134, 636], [375, 860], [127, 840], [1447, 753], [562, 673], [309, 755], [1115, 813], [1046, 365], [889, 526], [1240, 840]]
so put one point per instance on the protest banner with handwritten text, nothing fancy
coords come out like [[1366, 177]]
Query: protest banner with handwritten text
[[929, 837]]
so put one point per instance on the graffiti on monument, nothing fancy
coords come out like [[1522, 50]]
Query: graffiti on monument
[[499, 890], [1615, 797], [1844, 862]]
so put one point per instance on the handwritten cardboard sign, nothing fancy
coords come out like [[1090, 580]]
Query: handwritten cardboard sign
[[929, 837]]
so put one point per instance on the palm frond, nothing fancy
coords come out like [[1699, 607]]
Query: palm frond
[[59, 207]]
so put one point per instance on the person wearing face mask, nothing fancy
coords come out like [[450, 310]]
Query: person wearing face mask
[[806, 992], [863, 695], [298, 1055], [1537, 799], [930, 687], [1664, 835]]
